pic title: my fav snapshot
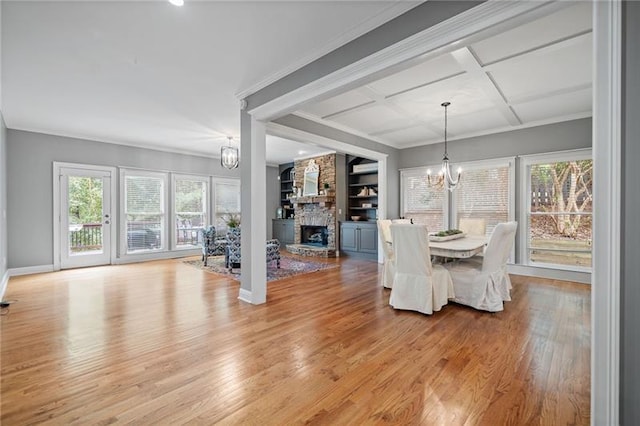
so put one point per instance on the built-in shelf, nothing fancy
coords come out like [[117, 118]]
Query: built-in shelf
[[357, 182], [286, 187]]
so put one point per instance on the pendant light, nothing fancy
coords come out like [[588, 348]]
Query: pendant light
[[229, 156], [445, 179]]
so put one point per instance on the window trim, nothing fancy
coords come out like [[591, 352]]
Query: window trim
[[124, 172], [526, 161], [207, 214]]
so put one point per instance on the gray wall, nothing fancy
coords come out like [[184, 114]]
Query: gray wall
[[29, 189], [393, 177], [574, 134], [630, 241]]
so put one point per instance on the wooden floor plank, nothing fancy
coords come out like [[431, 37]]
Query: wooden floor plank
[[166, 343]]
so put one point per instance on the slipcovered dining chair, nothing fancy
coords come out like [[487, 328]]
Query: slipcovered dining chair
[[418, 285], [473, 226], [388, 268], [486, 285]]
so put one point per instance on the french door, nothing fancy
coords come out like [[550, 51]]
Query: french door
[[85, 216]]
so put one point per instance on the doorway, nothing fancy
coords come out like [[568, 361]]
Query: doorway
[[85, 215]]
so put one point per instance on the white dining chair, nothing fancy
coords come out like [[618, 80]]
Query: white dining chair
[[388, 267], [472, 226], [418, 285], [486, 285]]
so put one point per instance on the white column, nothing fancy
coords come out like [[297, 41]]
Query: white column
[[253, 173]]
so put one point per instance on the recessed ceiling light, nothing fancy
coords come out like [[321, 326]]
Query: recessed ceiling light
[[301, 152], [176, 2]]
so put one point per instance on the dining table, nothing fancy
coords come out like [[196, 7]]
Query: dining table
[[459, 248]]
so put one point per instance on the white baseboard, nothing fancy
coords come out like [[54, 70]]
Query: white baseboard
[[135, 258], [245, 295], [28, 270], [554, 274], [3, 284]]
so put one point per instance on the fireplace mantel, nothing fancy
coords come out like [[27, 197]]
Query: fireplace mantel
[[322, 200]]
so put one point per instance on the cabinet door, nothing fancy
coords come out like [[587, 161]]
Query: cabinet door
[[368, 240], [348, 238], [277, 230], [288, 234]]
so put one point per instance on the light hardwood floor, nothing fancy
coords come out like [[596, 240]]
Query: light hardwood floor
[[165, 343]]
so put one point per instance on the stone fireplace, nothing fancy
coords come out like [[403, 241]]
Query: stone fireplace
[[315, 215]]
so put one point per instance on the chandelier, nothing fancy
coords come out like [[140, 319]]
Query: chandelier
[[229, 157], [444, 179]]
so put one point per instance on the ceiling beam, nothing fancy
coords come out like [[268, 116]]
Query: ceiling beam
[[468, 61]]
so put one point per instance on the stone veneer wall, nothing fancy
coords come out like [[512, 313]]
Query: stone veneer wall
[[307, 212]]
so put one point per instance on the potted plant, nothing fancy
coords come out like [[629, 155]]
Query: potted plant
[[232, 220], [327, 189]]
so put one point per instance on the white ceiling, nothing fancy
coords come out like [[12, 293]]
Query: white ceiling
[[536, 73], [154, 75], [150, 74]]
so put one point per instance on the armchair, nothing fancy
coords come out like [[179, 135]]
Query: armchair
[[233, 259], [211, 245]]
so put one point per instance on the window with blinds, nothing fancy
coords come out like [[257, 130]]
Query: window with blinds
[[226, 202], [483, 193], [144, 210], [422, 203], [190, 210]]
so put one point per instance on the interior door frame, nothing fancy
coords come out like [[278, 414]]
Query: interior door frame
[[57, 232]]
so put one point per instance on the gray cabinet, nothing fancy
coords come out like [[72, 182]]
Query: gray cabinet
[[282, 229], [359, 239]]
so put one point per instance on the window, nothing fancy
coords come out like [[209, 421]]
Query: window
[[226, 202], [423, 204], [485, 192], [190, 211], [144, 204], [558, 210]]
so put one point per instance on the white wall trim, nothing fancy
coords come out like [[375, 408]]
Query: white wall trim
[[28, 270], [552, 274], [244, 295], [479, 18], [607, 148], [4, 284], [146, 257]]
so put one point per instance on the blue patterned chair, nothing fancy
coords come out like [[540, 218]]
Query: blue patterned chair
[[233, 258], [211, 244]]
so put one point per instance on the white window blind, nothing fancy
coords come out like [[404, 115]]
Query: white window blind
[[190, 201], [420, 202], [226, 201], [483, 193], [144, 208]]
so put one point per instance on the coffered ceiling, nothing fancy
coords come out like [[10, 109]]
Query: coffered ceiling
[[536, 73]]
